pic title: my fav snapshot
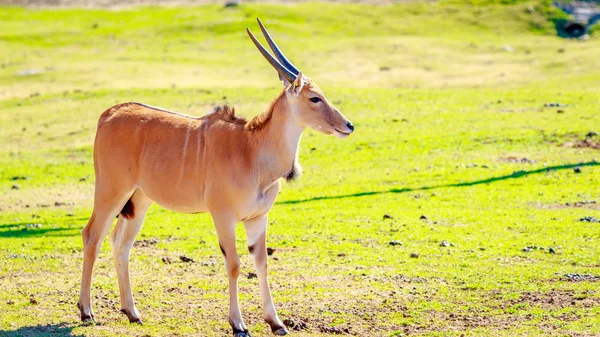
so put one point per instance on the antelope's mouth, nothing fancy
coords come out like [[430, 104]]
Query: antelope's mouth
[[340, 134], [338, 130], [343, 132]]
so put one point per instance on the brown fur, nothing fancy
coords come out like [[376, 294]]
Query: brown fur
[[128, 211], [227, 113], [261, 121], [294, 173]]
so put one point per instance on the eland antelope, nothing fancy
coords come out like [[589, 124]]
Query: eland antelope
[[219, 163]]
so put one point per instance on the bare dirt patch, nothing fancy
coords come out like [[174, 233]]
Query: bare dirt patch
[[409, 279], [587, 143], [585, 203], [462, 321], [146, 242], [518, 110], [588, 204], [557, 299], [441, 321]]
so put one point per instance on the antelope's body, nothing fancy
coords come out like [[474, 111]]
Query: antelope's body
[[219, 160], [218, 163]]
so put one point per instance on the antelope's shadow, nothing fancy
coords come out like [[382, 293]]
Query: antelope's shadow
[[514, 175], [53, 330]]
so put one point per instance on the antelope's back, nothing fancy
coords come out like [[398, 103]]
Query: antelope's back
[[139, 138]]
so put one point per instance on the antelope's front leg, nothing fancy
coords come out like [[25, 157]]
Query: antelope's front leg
[[256, 231], [225, 226]]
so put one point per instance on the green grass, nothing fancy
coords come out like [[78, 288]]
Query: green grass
[[441, 95]]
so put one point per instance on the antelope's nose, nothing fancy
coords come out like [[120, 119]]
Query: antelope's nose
[[350, 126]]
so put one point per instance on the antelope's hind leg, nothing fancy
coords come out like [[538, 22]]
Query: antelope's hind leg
[[256, 232], [121, 239], [106, 208]]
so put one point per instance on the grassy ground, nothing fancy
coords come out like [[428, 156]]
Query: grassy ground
[[453, 141]]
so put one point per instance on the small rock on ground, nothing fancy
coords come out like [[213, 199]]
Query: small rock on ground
[[508, 48], [387, 216], [531, 248], [518, 160], [414, 255], [395, 243], [555, 105], [446, 244], [580, 277], [589, 219], [252, 275], [186, 259], [270, 251], [28, 72]]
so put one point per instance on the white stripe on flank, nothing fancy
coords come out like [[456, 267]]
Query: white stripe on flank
[[198, 148], [204, 143], [185, 145]]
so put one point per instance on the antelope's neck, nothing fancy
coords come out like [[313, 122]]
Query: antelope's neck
[[278, 147]]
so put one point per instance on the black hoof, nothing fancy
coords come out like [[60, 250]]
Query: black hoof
[[241, 333], [136, 321], [85, 318], [280, 332], [132, 319]]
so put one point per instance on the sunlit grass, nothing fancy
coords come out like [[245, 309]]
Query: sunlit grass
[[442, 94]]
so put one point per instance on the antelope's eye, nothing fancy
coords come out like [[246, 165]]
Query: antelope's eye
[[315, 99]]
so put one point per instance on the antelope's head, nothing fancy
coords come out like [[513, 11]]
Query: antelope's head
[[308, 104]]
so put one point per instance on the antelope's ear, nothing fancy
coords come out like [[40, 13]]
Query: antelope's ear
[[284, 80], [296, 86]]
